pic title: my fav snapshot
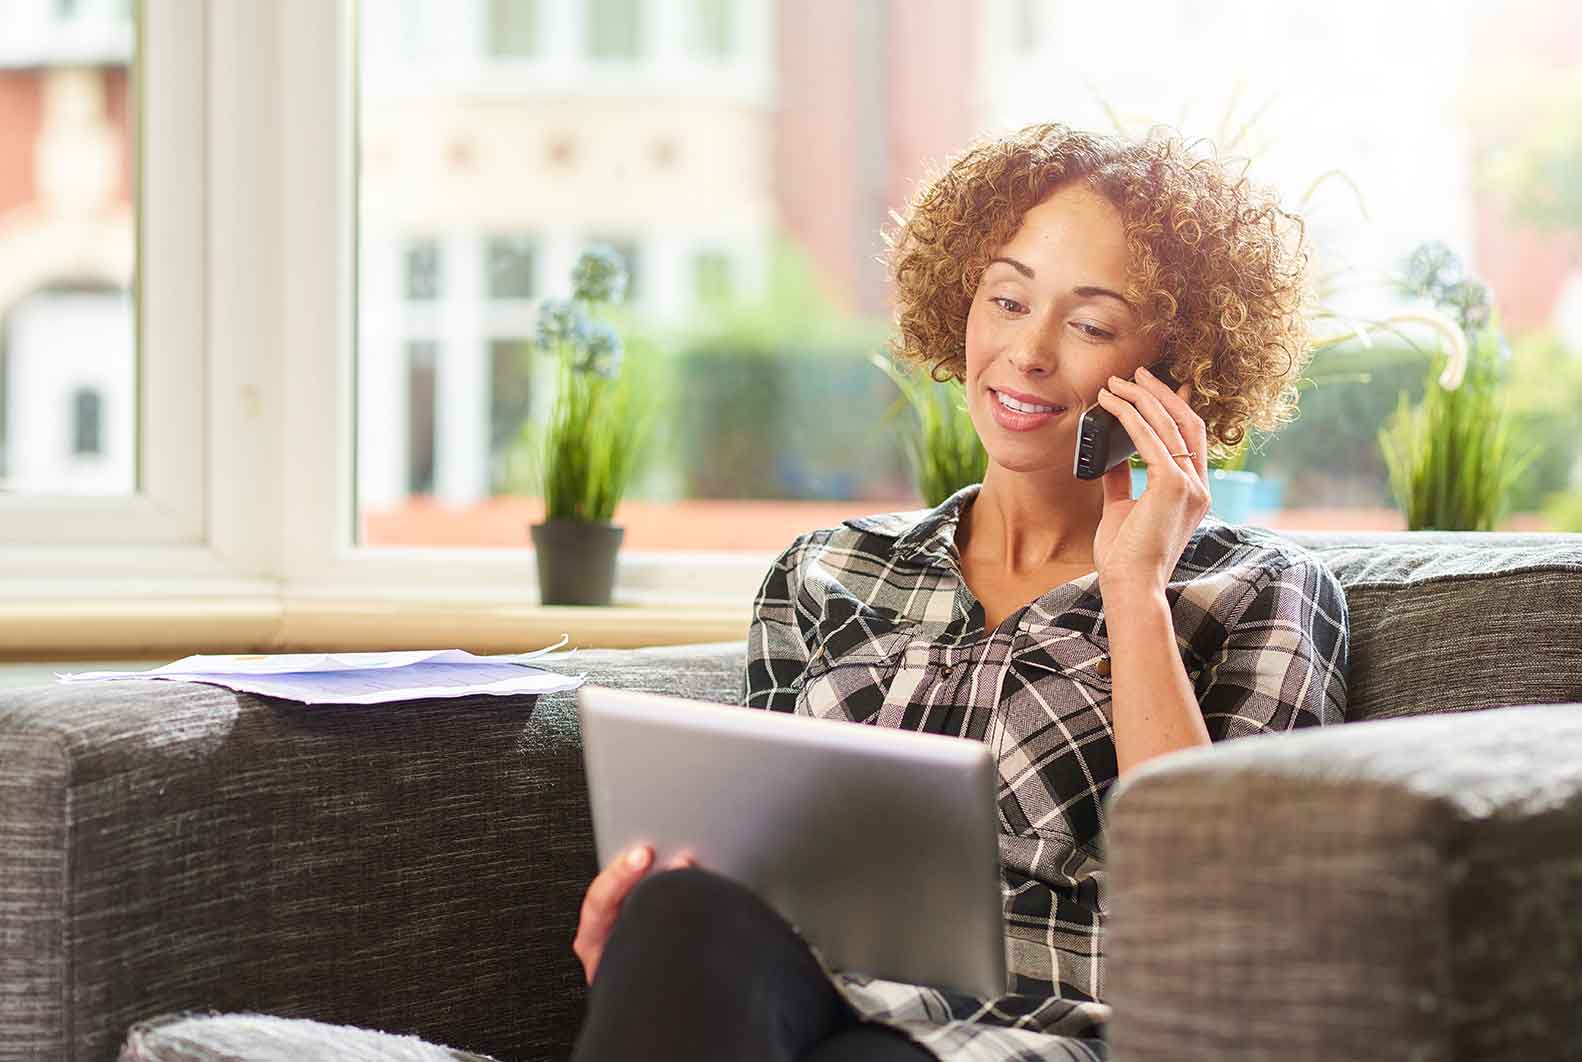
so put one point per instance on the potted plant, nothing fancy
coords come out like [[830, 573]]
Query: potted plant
[[1453, 458], [588, 451]]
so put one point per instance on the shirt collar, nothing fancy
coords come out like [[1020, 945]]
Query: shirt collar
[[927, 535]]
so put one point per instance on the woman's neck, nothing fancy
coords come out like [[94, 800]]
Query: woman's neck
[[1025, 525]]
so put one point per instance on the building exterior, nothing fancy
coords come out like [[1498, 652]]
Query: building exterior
[[500, 137], [67, 362]]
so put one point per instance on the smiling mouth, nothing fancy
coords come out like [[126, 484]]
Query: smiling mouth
[[1017, 406]]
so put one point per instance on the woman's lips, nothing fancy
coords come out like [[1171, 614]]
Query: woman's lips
[[1016, 420]]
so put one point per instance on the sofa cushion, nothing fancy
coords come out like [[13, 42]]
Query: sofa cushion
[[261, 1038], [1443, 622], [1404, 888], [418, 867]]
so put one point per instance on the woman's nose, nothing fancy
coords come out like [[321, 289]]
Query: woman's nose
[[1033, 360]]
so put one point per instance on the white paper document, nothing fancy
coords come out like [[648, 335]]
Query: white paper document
[[358, 678]]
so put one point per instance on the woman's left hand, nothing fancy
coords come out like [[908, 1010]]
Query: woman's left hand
[[1139, 540]]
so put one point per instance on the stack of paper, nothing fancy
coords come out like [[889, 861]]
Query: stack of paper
[[358, 678]]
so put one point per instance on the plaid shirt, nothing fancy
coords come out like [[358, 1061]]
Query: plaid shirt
[[871, 621]]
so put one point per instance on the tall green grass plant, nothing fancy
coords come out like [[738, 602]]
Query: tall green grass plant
[[941, 443], [1453, 459]]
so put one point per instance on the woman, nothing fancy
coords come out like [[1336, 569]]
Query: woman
[[1077, 630]]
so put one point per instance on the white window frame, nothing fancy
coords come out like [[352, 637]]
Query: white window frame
[[247, 357], [318, 225]]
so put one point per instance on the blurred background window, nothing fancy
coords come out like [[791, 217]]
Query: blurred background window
[[510, 267], [614, 29], [714, 30], [513, 28], [68, 356], [743, 157], [86, 419], [423, 270]]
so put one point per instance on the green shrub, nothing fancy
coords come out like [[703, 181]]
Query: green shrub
[[941, 442], [1453, 458]]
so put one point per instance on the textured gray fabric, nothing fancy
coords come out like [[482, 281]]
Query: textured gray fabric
[[1444, 621], [262, 1038], [417, 868], [1389, 890]]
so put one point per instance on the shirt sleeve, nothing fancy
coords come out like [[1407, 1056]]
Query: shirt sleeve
[[1283, 661], [776, 652]]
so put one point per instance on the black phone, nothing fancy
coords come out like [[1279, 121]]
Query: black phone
[[1101, 441]]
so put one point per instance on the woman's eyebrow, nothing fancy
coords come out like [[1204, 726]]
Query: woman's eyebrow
[[1086, 291]]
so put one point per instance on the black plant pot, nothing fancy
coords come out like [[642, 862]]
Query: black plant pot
[[576, 561]]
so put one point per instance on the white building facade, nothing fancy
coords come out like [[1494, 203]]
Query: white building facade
[[499, 140]]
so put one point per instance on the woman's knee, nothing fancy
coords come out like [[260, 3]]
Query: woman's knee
[[696, 912], [687, 900]]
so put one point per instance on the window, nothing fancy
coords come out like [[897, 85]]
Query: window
[[750, 224], [421, 394], [631, 256], [513, 28], [308, 235], [87, 411], [614, 29], [1032, 25], [511, 370], [423, 277], [67, 238], [55, 339], [714, 29], [511, 264]]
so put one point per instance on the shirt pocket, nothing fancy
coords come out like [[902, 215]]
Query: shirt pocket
[[850, 670], [1053, 748], [1082, 658]]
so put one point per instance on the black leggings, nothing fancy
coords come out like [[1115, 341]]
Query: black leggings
[[699, 968]]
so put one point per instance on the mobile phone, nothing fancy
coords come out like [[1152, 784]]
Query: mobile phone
[[1101, 441]]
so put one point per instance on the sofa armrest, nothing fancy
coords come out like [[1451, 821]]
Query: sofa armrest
[[1387, 890], [415, 868]]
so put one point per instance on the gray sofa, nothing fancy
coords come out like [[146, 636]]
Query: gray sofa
[[1390, 889]]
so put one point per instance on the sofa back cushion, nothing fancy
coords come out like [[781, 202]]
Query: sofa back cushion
[[1445, 622]]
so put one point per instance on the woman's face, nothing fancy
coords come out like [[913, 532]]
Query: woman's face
[[1047, 328]]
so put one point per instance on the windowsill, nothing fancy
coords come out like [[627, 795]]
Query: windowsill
[[170, 627]]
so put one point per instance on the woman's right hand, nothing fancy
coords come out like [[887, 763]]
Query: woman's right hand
[[602, 903]]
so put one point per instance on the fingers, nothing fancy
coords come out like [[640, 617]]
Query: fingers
[[616, 880], [602, 903], [1179, 404], [1153, 410], [1149, 445]]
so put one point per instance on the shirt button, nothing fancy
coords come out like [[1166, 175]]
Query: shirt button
[[1103, 666], [946, 670]]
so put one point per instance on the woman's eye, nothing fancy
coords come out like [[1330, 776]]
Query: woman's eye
[[1091, 332], [1008, 305]]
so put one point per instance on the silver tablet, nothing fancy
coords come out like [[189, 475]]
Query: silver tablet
[[879, 845]]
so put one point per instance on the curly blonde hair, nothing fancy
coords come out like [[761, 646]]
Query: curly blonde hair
[[1216, 267]]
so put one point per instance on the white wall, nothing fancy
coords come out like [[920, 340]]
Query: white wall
[[56, 344]]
